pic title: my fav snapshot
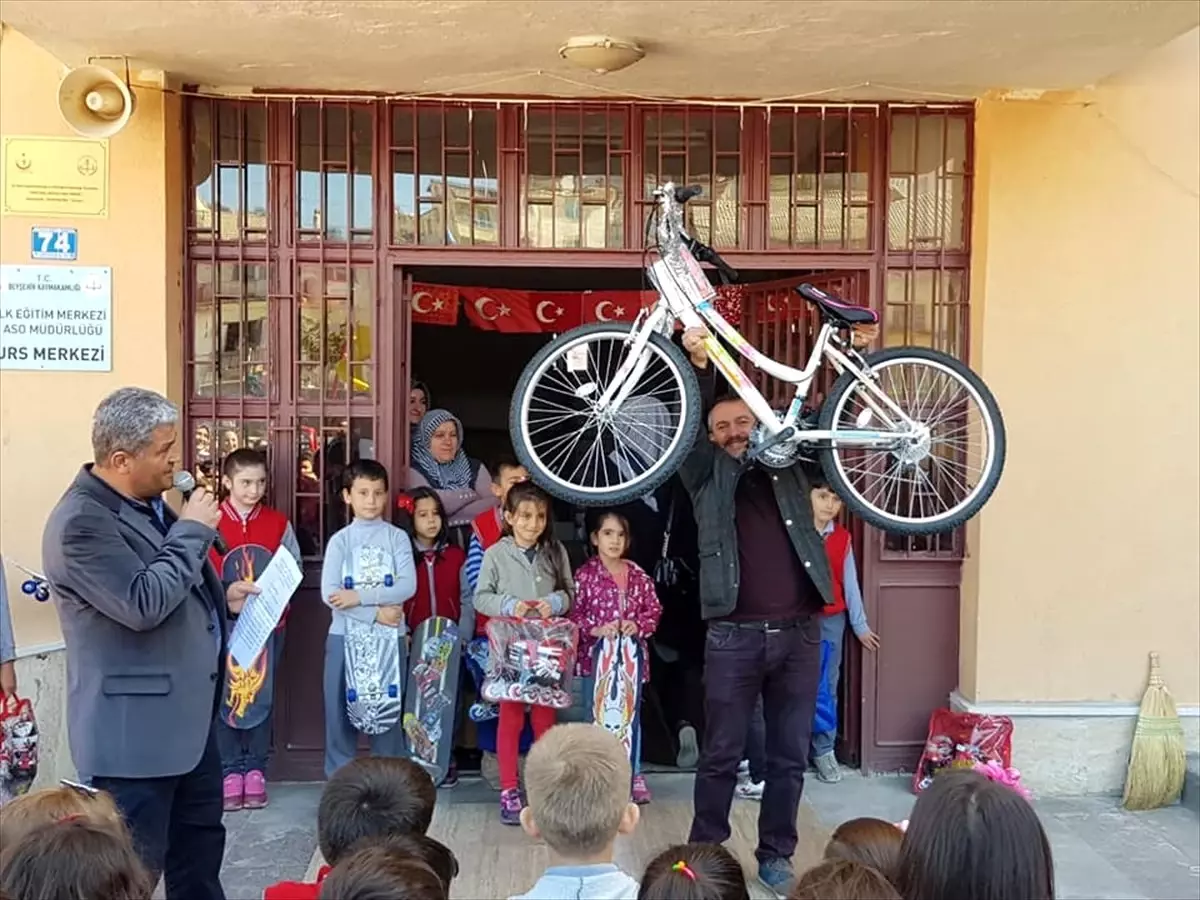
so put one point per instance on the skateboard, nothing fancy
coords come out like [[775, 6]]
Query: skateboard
[[374, 667], [431, 699], [36, 585], [249, 692], [616, 700], [530, 661]]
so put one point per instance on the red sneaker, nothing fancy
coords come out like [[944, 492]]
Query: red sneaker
[[232, 792], [256, 790], [640, 794]]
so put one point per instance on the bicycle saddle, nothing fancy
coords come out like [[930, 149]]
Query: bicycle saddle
[[836, 309]]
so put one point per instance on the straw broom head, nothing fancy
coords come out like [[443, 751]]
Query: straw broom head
[[1157, 760]]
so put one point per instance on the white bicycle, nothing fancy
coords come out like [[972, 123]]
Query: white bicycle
[[910, 438]]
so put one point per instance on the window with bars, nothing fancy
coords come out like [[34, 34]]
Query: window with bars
[[445, 175], [574, 184], [928, 180], [335, 185], [820, 195], [229, 171], [230, 330], [696, 145]]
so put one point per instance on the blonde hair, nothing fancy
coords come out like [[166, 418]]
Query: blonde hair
[[33, 810], [577, 777]]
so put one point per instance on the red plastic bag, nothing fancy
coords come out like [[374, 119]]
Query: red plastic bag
[[960, 740], [530, 661], [18, 746]]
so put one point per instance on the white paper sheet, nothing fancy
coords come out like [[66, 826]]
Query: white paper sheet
[[260, 616]]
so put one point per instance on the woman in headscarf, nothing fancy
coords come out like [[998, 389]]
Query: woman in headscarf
[[438, 462]]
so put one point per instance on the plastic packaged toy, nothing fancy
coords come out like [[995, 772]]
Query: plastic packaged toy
[[962, 740], [530, 661]]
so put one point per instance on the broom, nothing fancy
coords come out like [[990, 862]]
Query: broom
[[1157, 760]]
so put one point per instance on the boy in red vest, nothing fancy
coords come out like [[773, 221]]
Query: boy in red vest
[[252, 532], [826, 507]]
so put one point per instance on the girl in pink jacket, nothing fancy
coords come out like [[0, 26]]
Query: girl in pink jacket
[[614, 595]]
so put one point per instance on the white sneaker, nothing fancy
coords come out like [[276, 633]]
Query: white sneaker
[[750, 790], [689, 748], [827, 768], [744, 769]]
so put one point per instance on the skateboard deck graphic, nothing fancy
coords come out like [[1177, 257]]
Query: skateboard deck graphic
[[431, 698], [374, 652], [616, 700], [250, 691]]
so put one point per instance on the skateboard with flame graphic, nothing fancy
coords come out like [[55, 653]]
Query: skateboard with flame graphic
[[616, 701], [250, 691]]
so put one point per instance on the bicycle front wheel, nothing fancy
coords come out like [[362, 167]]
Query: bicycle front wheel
[[924, 484], [593, 457]]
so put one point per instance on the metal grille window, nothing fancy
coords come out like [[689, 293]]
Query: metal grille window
[[820, 193], [445, 178], [574, 184], [928, 308], [700, 146], [928, 180], [229, 171], [334, 173], [230, 330]]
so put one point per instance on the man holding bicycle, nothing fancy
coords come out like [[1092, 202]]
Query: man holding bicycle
[[764, 579]]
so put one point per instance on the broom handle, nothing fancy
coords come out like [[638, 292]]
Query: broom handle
[[1155, 676]]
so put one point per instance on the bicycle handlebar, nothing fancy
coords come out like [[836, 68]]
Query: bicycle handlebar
[[672, 199]]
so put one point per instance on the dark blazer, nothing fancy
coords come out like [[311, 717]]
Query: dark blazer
[[143, 618]]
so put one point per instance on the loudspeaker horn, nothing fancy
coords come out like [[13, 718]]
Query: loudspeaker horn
[[94, 102]]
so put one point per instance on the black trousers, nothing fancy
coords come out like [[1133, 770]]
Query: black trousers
[[783, 666], [176, 825]]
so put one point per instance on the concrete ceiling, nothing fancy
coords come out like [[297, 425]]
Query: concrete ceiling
[[746, 49]]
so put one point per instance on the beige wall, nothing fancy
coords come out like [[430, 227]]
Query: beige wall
[[1087, 317], [45, 416]]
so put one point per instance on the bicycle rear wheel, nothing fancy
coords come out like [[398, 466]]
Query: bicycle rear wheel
[[602, 458], [918, 486]]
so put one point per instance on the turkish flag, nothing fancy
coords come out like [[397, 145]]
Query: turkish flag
[[500, 309], [434, 304], [558, 311], [615, 306]]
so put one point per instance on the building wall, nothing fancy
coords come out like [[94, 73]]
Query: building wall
[[1086, 281]]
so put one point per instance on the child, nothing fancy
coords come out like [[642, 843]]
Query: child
[[694, 872], [578, 780], [525, 575], [68, 801], [873, 842], [972, 837], [826, 507], [441, 586], [74, 858], [487, 527], [845, 879], [366, 800], [252, 532], [372, 552], [614, 596], [375, 872]]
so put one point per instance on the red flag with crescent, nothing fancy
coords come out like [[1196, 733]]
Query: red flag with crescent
[[501, 309], [434, 304], [615, 306]]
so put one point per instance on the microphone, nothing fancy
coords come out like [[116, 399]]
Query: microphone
[[185, 483]]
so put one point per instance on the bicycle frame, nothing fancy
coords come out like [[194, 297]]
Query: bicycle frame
[[677, 276]]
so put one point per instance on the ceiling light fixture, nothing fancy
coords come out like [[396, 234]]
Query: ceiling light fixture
[[601, 54]]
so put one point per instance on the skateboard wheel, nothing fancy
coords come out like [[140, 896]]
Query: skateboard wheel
[[29, 587], [393, 692], [43, 594], [348, 583], [388, 581], [352, 696]]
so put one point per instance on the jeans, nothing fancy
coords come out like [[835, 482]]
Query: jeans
[[176, 825], [244, 749], [783, 666], [341, 738], [587, 690], [756, 744], [833, 631]]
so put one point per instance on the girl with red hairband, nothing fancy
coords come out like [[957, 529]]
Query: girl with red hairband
[[694, 872]]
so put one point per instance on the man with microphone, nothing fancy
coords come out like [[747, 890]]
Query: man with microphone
[[143, 617]]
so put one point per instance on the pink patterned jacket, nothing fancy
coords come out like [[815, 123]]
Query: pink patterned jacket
[[598, 602]]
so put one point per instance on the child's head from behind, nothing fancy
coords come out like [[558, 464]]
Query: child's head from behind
[[971, 837], [577, 778], [372, 798], [244, 477], [826, 504], [610, 536], [873, 842], [527, 514], [427, 521], [843, 879], [77, 859], [435, 854], [505, 473], [365, 488], [694, 872], [44, 807], [377, 872]]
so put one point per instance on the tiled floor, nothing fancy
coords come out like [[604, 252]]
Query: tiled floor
[[1100, 850]]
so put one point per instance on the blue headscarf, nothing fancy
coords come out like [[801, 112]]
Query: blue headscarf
[[454, 474]]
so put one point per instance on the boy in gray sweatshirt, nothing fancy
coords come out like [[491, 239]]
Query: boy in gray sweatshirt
[[376, 557]]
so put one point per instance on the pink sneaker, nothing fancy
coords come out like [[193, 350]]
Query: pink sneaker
[[256, 790], [640, 793], [232, 791]]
